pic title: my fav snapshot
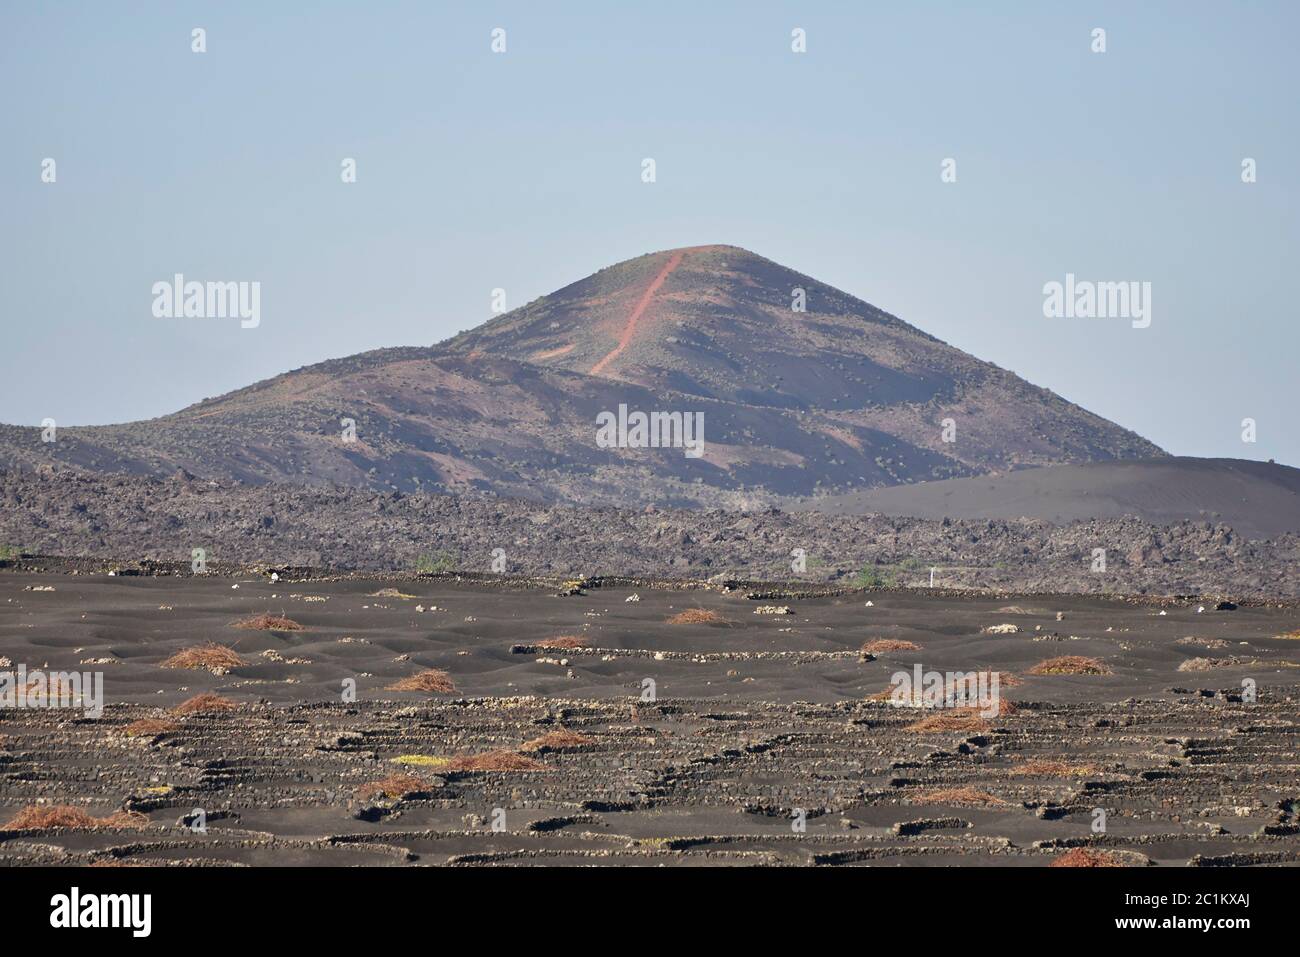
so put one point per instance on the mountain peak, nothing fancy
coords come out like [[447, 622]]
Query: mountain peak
[[712, 320]]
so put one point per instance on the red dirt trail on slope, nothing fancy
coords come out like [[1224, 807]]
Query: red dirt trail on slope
[[629, 329]]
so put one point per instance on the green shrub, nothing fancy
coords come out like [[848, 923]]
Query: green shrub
[[433, 564], [887, 576]]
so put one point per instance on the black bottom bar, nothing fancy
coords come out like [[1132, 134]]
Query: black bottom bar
[[332, 907]]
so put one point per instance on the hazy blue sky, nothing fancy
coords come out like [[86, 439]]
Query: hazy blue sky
[[522, 170]]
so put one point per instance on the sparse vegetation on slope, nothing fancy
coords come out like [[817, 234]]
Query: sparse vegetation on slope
[[432, 680], [44, 817], [1070, 665], [212, 657], [268, 622], [206, 703]]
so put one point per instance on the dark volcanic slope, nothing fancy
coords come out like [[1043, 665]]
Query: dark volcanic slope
[[718, 321], [479, 424], [838, 398], [1258, 499]]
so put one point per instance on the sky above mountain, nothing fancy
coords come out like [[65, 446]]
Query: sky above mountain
[[523, 171]]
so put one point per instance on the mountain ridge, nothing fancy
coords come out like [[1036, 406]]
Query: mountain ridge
[[806, 391]]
